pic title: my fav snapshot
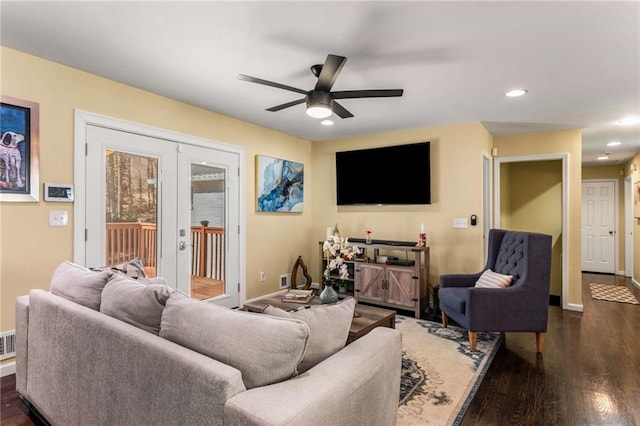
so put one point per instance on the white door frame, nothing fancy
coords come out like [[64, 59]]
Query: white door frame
[[564, 157], [486, 201], [82, 119], [628, 227], [616, 224]]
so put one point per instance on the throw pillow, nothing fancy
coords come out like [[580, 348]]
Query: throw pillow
[[328, 328], [490, 279], [134, 302], [265, 349], [79, 284], [132, 268]]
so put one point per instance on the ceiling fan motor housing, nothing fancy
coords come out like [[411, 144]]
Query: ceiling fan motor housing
[[315, 98]]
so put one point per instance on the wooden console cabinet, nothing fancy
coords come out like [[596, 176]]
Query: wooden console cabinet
[[395, 286]]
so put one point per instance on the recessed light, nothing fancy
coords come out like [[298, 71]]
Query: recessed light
[[614, 143], [326, 123], [515, 93], [604, 157], [628, 121]]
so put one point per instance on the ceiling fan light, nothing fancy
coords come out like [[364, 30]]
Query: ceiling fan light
[[319, 111]]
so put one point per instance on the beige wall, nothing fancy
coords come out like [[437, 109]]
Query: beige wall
[[456, 179], [570, 142], [617, 173], [533, 192], [635, 177], [30, 249]]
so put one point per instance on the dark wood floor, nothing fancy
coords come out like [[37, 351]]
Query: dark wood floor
[[589, 373]]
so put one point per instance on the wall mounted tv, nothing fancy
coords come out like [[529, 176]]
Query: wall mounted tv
[[399, 174]]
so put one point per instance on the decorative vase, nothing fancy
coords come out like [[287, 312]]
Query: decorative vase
[[328, 295]]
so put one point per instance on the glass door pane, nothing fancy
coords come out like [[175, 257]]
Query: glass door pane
[[131, 209], [207, 231]]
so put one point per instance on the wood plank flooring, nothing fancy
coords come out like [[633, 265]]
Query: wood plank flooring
[[589, 373]]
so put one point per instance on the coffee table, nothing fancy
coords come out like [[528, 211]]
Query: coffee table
[[366, 318]]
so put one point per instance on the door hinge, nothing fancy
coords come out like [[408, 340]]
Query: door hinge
[[86, 234], [238, 229], [238, 287], [86, 149], [238, 171], [178, 147]]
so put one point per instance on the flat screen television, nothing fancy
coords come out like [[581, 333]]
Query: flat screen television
[[399, 174]]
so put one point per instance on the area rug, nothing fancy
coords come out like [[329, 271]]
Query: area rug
[[612, 293], [440, 375]]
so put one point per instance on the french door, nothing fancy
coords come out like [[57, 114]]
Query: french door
[[173, 205]]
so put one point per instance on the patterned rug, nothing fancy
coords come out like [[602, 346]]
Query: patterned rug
[[440, 375], [612, 293]]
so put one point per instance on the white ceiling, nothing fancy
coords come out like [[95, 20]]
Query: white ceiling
[[579, 61]]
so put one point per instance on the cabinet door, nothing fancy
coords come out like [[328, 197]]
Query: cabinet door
[[401, 288], [370, 281]]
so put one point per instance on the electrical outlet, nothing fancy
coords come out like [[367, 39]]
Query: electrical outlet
[[263, 276], [460, 222]]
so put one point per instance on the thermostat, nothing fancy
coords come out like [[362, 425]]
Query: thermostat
[[58, 192]]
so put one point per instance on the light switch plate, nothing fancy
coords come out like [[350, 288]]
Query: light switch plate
[[58, 218], [460, 222]]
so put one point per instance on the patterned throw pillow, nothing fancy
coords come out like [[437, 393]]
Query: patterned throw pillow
[[490, 279], [328, 328]]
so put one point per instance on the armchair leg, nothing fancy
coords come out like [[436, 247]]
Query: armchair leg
[[473, 338], [445, 320], [540, 341]]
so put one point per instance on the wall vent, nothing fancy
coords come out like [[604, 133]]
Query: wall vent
[[7, 344]]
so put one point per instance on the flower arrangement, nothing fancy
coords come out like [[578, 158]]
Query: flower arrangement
[[337, 249]]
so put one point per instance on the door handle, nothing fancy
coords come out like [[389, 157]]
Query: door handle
[[610, 232], [183, 245]]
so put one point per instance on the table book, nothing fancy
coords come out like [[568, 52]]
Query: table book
[[298, 296]]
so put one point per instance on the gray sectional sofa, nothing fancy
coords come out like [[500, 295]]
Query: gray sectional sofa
[[79, 366]]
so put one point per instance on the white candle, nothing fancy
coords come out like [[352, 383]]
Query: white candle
[[329, 233], [422, 228]]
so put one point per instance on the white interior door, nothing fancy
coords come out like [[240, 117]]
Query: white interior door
[[598, 226], [148, 197]]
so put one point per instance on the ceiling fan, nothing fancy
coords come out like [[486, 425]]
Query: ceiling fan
[[320, 100]]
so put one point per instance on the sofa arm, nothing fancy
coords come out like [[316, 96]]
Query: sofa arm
[[358, 385], [459, 280], [22, 330]]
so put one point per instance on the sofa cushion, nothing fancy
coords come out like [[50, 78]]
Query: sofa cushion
[[453, 299], [134, 302], [490, 279], [328, 328], [265, 349], [79, 284]]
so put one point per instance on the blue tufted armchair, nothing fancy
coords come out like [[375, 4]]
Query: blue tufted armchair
[[522, 306]]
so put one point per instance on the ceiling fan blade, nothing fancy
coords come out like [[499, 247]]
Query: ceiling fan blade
[[352, 94], [340, 111], [287, 105], [330, 70], [270, 83]]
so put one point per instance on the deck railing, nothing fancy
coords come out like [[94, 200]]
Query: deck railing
[[127, 240]]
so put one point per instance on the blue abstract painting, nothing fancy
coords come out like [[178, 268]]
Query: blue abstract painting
[[280, 185]]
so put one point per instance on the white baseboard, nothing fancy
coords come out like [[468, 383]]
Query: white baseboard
[[575, 307], [8, 368], [636, 283], [268, 295], [623, 273]]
